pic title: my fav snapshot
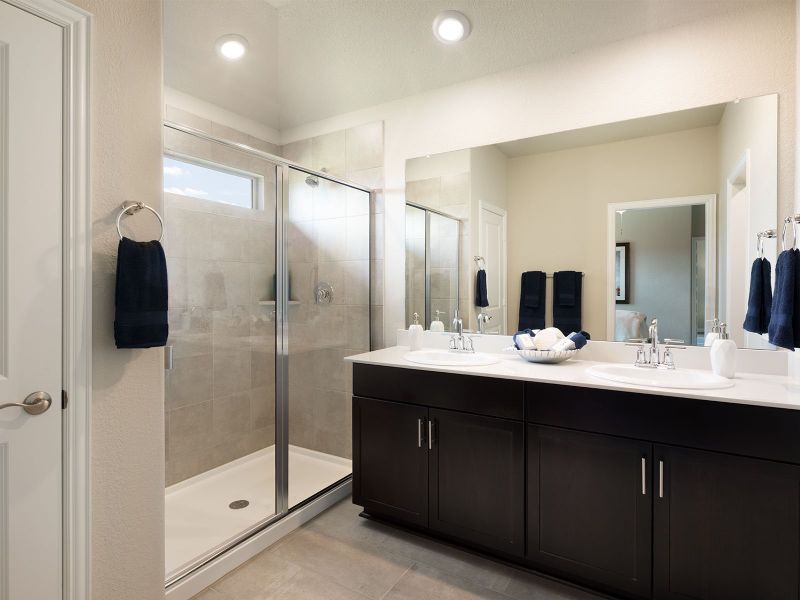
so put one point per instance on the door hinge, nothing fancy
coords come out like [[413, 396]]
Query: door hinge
[[64, 399]]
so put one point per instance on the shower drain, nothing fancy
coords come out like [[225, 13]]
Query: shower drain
[[236, 504]]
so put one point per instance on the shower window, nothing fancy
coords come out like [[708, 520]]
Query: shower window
[[207, 181]]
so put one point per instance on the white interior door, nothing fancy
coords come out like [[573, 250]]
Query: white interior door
[[493, 250], [30, 304]]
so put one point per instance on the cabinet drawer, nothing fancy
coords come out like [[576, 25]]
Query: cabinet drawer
[[466, 393], [756, 431]]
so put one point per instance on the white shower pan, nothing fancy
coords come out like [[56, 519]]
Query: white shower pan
[[198, 517]]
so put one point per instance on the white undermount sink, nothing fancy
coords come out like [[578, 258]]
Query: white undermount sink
[[660, 378], [445, 358]]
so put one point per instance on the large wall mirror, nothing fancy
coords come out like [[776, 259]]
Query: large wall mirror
[[608, 227]]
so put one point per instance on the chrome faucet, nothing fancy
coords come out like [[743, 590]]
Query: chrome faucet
[[458, 342], [458, 324], [483, 319], [648, 351]]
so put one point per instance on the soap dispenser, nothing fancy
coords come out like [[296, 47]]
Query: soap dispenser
[[436, 324], [713, 334], [723, 354], [415, 334]]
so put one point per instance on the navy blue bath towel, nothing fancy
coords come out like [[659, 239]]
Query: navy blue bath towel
[[141, 301], [567, 300], [781, 323], [531, 300], [481, 297], [759, 301]]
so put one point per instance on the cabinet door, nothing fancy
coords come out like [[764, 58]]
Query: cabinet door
[[477, 479], [725, 527], [390, 459], [589, 507]]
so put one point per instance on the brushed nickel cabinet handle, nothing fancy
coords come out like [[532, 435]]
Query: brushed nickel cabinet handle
[[644, 476], [661, 479], [419, 433], [34, 404], [430, 435]]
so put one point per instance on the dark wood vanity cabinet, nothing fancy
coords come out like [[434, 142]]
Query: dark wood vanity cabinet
[[636, 495], [390, 466], [589, 507], [477, 475], [442, 465], [725, 527]]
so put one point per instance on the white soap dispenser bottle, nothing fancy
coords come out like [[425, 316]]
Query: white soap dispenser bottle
[[723, 354], [415, 334], [436, 324], [713, 335]]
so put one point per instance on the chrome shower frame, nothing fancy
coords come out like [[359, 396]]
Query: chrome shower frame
[[282, 509]]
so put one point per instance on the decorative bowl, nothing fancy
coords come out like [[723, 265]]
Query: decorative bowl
[[546, 356]]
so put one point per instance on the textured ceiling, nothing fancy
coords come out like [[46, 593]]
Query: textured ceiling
[[321, 58], [191, 65]]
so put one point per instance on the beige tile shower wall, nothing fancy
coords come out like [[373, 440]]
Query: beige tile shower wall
[[220, 394], [183, 117], [334, 237], [357, 155]]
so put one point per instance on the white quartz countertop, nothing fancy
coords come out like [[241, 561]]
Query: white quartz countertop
[[777, 391]]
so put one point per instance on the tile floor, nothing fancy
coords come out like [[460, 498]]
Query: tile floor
[[339, 555]]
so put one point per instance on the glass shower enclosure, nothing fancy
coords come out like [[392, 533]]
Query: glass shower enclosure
[[269, 290]]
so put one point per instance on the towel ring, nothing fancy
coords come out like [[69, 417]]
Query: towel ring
[[131, 208]]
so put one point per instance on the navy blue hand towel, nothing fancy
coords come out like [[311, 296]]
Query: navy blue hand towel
[[141, 295], [796, 310], [766, 291], [531, 300], [759, 301], [567, 300], [781, 323], [481, 298]]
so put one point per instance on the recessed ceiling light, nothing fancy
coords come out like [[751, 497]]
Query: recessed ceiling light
[[451, 26], [231, 46]]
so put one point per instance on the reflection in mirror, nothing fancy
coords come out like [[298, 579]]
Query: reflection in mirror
[[655, 244], [659, 214], [432, 266]]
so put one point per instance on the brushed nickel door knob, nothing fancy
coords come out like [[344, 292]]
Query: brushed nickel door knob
[[34, 404]]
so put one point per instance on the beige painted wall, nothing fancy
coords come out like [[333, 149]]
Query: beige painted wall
[[557, 206], [128, 385]]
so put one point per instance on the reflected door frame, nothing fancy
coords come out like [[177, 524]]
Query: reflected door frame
[[710, 203], [502, 271]]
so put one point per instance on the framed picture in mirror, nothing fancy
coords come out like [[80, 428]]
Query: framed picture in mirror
[[622, 272]]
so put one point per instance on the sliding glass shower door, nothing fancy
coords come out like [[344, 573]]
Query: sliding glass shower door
[[328, 256]]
